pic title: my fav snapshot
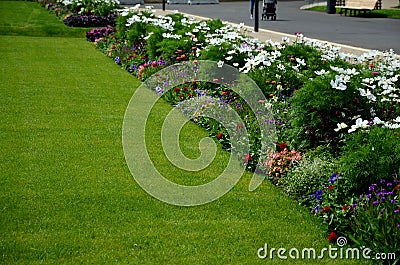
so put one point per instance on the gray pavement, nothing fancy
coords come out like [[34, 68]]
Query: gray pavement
[[367, 33]]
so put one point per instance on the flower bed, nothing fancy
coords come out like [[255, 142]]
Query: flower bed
[[337, 115], [86, 13]]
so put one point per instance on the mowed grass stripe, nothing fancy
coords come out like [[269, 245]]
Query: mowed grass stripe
[[28, 19]]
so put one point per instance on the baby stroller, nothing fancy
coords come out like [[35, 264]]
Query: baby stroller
[[269, 10]]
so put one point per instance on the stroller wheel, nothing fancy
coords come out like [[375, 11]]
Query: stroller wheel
[[274, 18]]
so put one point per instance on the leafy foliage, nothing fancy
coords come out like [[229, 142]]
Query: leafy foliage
[[369, 157]]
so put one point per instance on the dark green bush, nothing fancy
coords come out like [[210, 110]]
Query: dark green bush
[[369, 157], [317, 108], [90, 20]]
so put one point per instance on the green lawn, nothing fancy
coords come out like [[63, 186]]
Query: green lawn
[[382, 13], [66, 194]]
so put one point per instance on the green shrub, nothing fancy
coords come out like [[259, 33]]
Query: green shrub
[[369, 157], [308, 175], [317, 108]]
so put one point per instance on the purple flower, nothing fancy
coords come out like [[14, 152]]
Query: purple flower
[[333, 178], [368, 196], [382, 181], [117, 60], [372, 187], [317, 209], [318, 195], [398, 226], [375, 202], [396, 211], [159, 91], [389, 184], [393, 201]]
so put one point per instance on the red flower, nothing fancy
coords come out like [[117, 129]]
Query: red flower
[[326, 209], [345, 207], [247, 158], [176, 89], [331, 187], [219, 135], [239, 126], [332, 237], [282, 146]]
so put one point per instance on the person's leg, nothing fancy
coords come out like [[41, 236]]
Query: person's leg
[[251, 8]]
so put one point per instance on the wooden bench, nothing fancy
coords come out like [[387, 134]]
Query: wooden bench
[[359, 5]]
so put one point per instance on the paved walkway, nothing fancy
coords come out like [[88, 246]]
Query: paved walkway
[[355, 34]]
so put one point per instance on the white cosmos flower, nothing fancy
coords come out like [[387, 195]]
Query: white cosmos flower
[[360, 123], [228, 58], [343, 78], [340, 126], [281, 67], [392, 125], [377, 121], [148, 36], [338, 85], [220, 64], [285, 39], [322, 72], [367, 93], [300, 61], [171, 36], [352, 71]]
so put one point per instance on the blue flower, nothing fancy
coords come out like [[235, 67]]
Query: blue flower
[[333, 178], [318, 195]]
